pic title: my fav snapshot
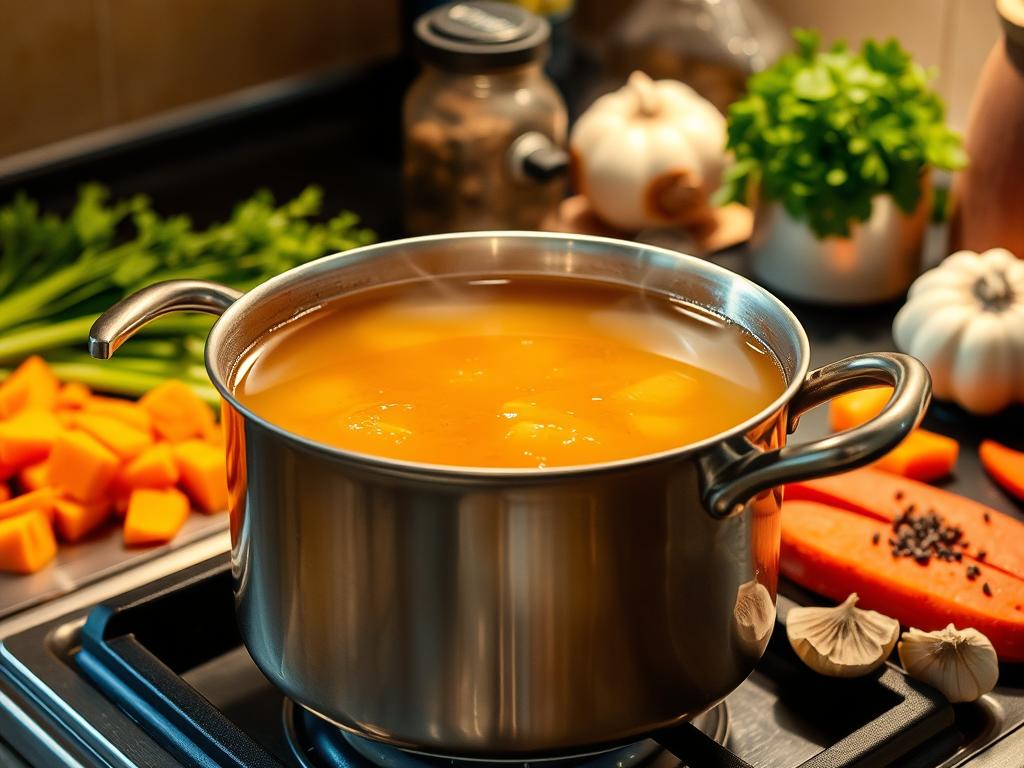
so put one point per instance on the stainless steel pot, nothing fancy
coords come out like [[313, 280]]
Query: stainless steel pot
[[513, 613]]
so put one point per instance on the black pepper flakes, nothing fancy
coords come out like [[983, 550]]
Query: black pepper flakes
[[988, 517], [973, 572], [899, 495], [986, 589], [982, 554], [876, 538]]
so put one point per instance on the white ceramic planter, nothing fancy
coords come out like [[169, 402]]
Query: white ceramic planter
[[877, 263]]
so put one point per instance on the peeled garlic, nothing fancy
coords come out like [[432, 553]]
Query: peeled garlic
[[961, 663], [844, 641]]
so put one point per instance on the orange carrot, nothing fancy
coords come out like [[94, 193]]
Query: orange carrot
[[882, 495], [81, 467], [26, 543], [34, 476], [124, 440], [155, 467], [923, 455], [122, 410], [857, 407], [73, 396], [830, 551], [203, 474], [74, 519], [31, 385], [178, 413], [154, 516], [1005, 465], [27, 437], [33, 501]]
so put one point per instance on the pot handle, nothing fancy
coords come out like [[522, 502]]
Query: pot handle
[[124, 319], [728, 487]]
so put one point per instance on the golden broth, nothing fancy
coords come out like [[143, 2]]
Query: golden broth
[[528, 372]]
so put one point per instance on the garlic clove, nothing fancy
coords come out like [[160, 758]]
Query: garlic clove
[[754, 613], [843, 641], [961, 663]]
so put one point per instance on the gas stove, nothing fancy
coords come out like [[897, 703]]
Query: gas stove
[[157, 676]]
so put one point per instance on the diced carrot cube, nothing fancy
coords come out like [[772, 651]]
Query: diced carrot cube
[[27, 437], [81, 466], [73, 396], [33, 501], [178, 413], [154, 516], [122, 410], [26, 543], [155, 467], [31, 385], [124, 440], [203, 474], [34, 476], [75, 519]]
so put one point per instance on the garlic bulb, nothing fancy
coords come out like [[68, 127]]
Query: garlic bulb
[[844, 641], [961, 663]]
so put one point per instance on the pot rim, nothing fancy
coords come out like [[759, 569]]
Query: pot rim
[[501, 475]]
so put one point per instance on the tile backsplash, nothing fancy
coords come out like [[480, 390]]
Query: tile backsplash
[[74, 66]]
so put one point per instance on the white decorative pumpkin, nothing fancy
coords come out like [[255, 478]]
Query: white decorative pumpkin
[[648, 154], [965, 321]]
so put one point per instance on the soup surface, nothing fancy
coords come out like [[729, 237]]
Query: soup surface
[[528, 372]]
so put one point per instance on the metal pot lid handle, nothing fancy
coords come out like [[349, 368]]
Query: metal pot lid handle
[[737, 479], [124, 319]]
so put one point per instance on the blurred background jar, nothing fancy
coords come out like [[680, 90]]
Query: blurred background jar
[[484, 127]]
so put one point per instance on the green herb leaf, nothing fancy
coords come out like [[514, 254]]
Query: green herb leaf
[[823, 133]]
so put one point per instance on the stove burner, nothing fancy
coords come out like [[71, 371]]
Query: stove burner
[[316, 743]]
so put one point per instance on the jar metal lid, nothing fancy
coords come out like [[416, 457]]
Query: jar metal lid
[[481, 35]]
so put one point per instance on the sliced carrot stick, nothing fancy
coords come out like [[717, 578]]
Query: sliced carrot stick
[[124, 440], [27, 437], [122, 410], [154, 516], [203, 474], [923, 455], [155, 467], [81, 467], [178, 413], [1005, 465], [830, 551], [31, 385], [26, 543], [883, 496], [34, 501], [34, 476], [73, 396], [858, 407], [75, 519]]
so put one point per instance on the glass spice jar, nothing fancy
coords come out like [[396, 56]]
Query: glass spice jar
[[484, 127]]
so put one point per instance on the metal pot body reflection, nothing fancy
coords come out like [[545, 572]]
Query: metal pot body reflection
[[515, 613]]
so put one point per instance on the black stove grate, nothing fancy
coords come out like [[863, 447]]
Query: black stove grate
[[135, 649]]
